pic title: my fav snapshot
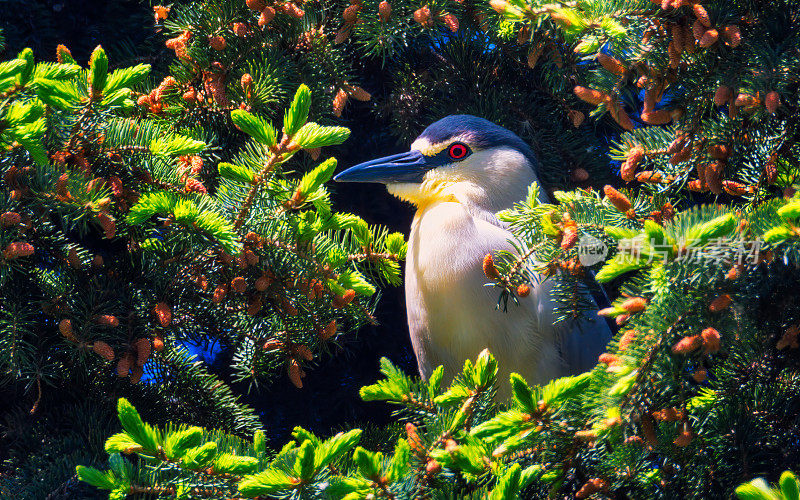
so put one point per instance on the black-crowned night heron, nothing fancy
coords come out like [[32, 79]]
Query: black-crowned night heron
[[459, 173]]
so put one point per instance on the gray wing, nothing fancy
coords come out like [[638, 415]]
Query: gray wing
[[584, 339]]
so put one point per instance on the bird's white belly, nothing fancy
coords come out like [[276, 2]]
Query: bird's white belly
[[451, 315]]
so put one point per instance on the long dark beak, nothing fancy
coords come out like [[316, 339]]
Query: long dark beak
[[403, 167]]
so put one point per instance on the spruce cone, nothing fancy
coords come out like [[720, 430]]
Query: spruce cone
[[329, 330], [489, 268], [732, 35], [295, 373], [702, 15], [450, 21], [65, 328], [164, 314], [634, 305], [107, 320], [656, 117], [143, 349], [217, 42], [687, 345], [18, 249], [619, 200], [423, 15], [267, 15], [384, 11], [257, 5], [10, 219], [103, 350], [720, 303], [590, 95], [219, 294], [723, 95], [631, 163], [610, 64], [711, 340], [772, 102], [238, 284], [158, 343]]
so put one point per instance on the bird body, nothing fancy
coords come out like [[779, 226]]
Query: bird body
[[458, 174], [451, 316]]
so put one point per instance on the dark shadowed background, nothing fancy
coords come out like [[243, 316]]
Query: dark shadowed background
[[330, 396]]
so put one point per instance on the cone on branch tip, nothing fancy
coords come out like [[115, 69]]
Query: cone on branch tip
[[107, 320], [579, 175], [329, 330], [65, 328], [10, 219], [687, 345], [384, 11], [720, 303], [789, 338], [267, 15], [591, 96], [295, 373], [711, 340], [772, 102], [619, 200], [489, 268], [17, 250], [257, 5], [158, 343], [238, 284], [611, 64], [143, 348], [422, 16], [340, 301], [569, 237], [634, 305], [732, 35], [163, 313], [631, 163], [103, 350]]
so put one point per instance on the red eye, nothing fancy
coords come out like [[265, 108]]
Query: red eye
[[458, 151]]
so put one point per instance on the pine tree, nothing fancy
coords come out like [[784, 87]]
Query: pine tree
[[212, 225]]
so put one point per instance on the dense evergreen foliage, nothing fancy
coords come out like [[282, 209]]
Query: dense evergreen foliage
[[147, 207]]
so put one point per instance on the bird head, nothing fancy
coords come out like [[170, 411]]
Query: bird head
[[459, 158]]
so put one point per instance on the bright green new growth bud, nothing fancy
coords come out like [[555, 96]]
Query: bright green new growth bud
[[259, 442], [613, 28], [27, 56], [227, 463], [369, 464], [98, 479], [254, 126], [778, 234], [98, 71], [317, 177], [176, 444], [789, 487], [297, 115], [790, 211], [200, 456], [312, 135], [548, 226], [654, 232], [236, 172], [141, 433], [700, 234], [620, 233], [304, 462]]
